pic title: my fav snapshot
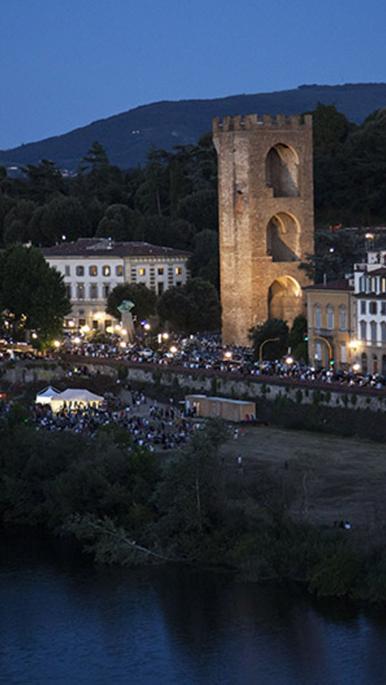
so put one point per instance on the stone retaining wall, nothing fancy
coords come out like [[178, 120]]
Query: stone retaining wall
[[203, 381]]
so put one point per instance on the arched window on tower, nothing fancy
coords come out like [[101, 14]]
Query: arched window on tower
[[282, 171], [283, 238]]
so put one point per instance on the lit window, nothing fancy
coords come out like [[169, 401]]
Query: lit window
[[160, 271], [93, 270], [106, 270], [142, 271], [79, 270], [178, 270], [119, 270]]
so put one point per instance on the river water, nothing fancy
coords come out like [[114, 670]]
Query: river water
[[64, 621]]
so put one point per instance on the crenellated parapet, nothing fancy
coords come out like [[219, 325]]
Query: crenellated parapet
[[266, 121]]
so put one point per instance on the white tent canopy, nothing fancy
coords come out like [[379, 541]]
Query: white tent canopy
[[45, 395], [71, 398], [78, 395]]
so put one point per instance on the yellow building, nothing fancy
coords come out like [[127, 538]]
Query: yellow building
[[331, 324]]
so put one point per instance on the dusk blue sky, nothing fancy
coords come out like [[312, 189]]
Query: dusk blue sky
[[65, 63]]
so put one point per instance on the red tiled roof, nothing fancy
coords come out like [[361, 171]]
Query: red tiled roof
[[89, 247]]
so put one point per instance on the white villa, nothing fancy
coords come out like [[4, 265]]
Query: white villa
[[92, 267]]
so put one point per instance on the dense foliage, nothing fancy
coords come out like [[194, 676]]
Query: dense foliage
[[143, 298], [172, 199], [32, 294], [129, 507], [191, 308]]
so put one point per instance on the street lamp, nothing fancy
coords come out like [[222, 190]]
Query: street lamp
[[173, 349], [289, 360], [228, 355], [356, 367], [262, 346]]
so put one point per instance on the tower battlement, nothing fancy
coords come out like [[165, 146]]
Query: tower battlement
[[252, 121]]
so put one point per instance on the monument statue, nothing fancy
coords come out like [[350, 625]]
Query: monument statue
[[127, 318]]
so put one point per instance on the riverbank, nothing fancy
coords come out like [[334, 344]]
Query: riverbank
[[262, 505]]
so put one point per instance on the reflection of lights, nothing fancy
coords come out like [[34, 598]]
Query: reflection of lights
[[165, 336], [289, 360], [122, 344], [356, 367], [56, 343], [173, 349], [228, 354], [77, 341]]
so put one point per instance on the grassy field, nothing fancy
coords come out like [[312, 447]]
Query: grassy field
[[329, 478]]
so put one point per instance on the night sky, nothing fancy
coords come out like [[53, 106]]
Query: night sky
[[65, 63]]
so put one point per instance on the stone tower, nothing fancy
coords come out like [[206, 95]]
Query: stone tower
[[266, 218]]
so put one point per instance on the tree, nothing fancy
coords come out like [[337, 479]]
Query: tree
[[32, 294], [119, 223], [62, 216], [204, 262], [297, 339], [16, 222], [44, 180], [192, 307], [143, 298], [272, 328], [200, 209]]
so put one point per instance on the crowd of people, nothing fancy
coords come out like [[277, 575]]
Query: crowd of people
[[148, 423], [207, 352]]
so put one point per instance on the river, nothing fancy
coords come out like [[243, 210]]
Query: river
[[65, 621]]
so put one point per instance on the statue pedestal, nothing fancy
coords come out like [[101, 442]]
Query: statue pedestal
[[128, 325]]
